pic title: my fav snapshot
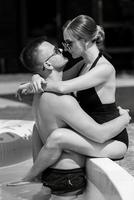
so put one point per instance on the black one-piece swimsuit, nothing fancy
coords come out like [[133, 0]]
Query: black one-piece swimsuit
[[101, 113]]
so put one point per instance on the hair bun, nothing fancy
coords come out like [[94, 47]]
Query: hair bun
[[100, 34]]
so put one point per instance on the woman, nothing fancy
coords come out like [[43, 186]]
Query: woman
[[93, 84]]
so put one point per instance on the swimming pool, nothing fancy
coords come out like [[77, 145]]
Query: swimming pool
[[14, 173], [15, 141], [16, 159]]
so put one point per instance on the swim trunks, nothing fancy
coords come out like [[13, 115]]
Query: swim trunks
[[62, 181]]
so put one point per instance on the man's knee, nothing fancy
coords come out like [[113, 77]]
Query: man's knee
[[55, 139]]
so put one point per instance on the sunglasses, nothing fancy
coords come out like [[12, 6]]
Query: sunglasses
[[67, 44], [55, 52]]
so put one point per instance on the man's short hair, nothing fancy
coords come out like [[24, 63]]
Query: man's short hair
[[29, 54]]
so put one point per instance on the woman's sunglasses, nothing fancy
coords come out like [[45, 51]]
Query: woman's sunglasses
[[67, 44]]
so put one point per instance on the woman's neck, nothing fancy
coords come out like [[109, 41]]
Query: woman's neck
[[91, 54]]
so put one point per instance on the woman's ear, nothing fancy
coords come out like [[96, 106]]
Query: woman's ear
[[84, 43], [47, 65], [89, 44]]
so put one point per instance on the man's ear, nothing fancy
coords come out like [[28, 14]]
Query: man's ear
[[47, 65]]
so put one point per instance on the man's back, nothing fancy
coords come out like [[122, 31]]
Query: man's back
[[47, 109]]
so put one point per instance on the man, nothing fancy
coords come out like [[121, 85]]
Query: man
[[52, 111]]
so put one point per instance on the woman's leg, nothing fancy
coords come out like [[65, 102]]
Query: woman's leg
[[66, 139]]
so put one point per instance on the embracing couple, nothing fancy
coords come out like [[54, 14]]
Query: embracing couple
[[76, 116]]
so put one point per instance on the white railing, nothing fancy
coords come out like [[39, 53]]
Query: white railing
[[108, 181]]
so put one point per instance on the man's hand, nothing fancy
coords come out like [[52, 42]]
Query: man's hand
[[38, 83]]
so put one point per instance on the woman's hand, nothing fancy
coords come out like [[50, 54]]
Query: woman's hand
[[125, 112], [24, 88], [39, 83]]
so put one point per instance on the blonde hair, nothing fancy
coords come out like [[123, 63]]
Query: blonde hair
[[85, 27]]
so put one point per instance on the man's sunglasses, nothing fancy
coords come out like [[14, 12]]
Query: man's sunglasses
[[55, 51], [67, 44]]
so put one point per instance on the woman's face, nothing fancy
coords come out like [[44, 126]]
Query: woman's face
[[75, 46]]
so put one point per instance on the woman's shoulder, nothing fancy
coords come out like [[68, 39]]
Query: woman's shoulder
[[106, 66], [104, 69]]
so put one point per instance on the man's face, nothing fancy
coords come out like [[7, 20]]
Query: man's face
[[49, 53]]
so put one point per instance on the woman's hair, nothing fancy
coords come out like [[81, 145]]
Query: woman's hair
[[29, 54], [84, 27]]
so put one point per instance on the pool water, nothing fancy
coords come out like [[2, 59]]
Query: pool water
[[15, 173]]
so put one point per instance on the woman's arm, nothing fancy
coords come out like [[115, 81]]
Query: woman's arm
[[71, 73], [38, 83], [72, 114], [92, 78], [24, 88]]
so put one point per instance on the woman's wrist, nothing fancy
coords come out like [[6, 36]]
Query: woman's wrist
[[53, 86], [35, 76], [39, 83]]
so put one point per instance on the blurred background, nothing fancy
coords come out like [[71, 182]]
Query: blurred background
[[22, 20]]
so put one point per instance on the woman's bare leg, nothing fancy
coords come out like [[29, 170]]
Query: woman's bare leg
[[66, 139]]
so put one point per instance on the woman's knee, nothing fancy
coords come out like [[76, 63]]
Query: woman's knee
[[116, 151], [119, 152]]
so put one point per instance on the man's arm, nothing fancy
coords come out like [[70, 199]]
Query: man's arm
[[73, 115], [37, 144]]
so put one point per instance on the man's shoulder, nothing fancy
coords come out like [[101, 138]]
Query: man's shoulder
[[62, 100], [67, 101], [57, 98]]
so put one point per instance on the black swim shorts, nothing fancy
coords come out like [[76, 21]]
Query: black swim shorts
[[63, 181]]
